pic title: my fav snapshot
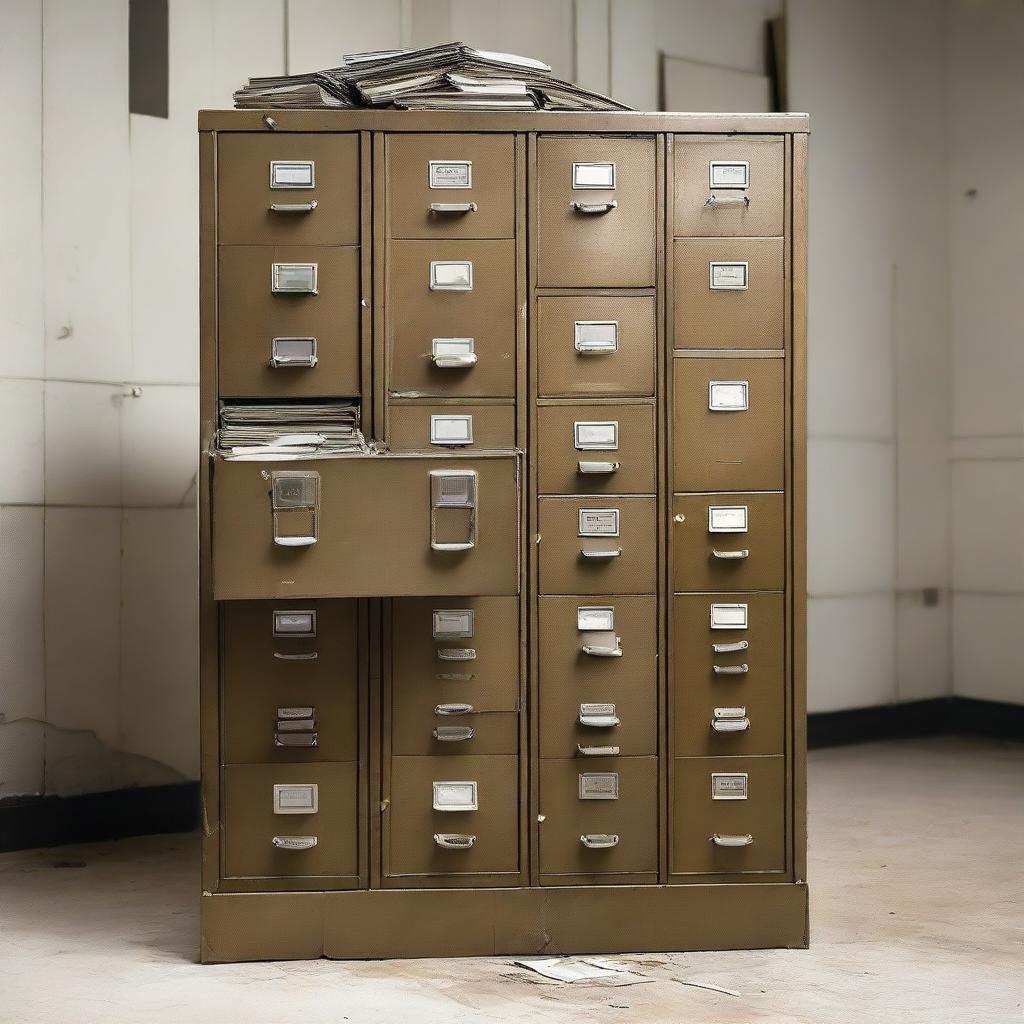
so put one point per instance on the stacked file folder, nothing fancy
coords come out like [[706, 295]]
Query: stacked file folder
[[451, 76], [305, 430]]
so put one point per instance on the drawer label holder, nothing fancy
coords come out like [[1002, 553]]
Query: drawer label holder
[[599, 785], [728, 785]]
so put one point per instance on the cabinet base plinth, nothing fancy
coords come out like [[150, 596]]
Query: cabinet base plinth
[[378, 924]]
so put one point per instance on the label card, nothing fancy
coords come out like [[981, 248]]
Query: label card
[[730, 174], [728, 395], [453, 623], [593, 175], [728, 785], [728, 616], [455, 796], [295, 490], [297, 624], [599, 522], [599, 786], [595, 618], [451, 430], [727, 519], [593, 435], [451, 174], [728, 276], [451, 275], [296, 798], [291, 174], [595, 336]]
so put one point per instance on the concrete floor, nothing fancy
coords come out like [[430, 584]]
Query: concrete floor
[[917, 882]]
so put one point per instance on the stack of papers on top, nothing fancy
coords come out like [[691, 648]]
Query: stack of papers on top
[[450, 76], [299, 430]]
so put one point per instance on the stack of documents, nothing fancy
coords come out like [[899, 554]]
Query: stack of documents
[[300, 430], [452, 76]]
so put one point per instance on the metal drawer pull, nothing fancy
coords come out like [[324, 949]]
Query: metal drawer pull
[[453, 489], [596, 467], [730, 724], [292, 353], [599, 721], [294, 207], [599, 840], [295, 739], [596, 751], [456, 654], [714, 201], [596, 651], [309, 656], [741, 553], [456, 361], [731, 648], [294, 842], [730, 670], [591, 208], [600, 555], [453, 840], [453, 709], [453, 207], [454, 733], [295, 542], [721, 840]]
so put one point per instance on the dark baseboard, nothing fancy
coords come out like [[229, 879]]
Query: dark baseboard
[[57, 821]]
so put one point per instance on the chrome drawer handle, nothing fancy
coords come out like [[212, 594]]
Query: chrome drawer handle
[[599, 840], [294, 207], [453, 207], [308, 656], [723, 840], [294, 842], [741, 553], [715, 201], [596, 467], [730, 648], [456, 654], [599, 721], [458, 361], [730, 670], [453, 840], [592, 208], [295, 739], [453, 709], [730, 724], [454, 733], [600, 555], [583, 751], [596, 651], [294, 542]]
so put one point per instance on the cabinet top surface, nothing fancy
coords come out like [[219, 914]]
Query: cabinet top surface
[[611, 121]]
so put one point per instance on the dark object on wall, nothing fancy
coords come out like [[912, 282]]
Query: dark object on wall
[[147, 57]]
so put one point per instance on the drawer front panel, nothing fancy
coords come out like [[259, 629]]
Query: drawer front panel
[[254, 816], [729, 186], [411, 822], [595, 449], [741, 707], [375, 525], [728, 541], [576, 670], [748, 817], [266, 673], [451, 186], [252, 315], [729, 293], [596, 345], [584, 240], [443, 428], [261, 170], [617, 554], [631, 818], [729, 449], [418, 316]]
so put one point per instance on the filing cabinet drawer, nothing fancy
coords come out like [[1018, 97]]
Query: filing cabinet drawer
[[451, 186], [600, 817], [252, 315], [421, 840], [273, 813], [728, 681], [597, 212], [457, 338], [596, 545], [415, 426], [740, 444], [728, 541], [729, 293], [271, 677], [594, 449], [739, 800], [365, 526], [258, 171], [596, 345], [729, 186], [579, 668]]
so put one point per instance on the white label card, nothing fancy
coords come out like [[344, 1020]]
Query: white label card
[[727, 519], [593, 435], [595, 335], [730, 174], [451, 275], [728, 616], [300, 624], [455, 796], [728, 785], [592, 618], [451, 173], [293, 277], [593, 175], [296, 798], [728, 276], [451, 430], [599, 786], [599, 522], [728, 395], [453, 623], [441, 347], [291, 174]]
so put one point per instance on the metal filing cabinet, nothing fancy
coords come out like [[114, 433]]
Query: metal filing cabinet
[[575, 695]]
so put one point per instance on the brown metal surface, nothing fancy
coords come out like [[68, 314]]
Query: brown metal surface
[[628, 371], [494, 425]]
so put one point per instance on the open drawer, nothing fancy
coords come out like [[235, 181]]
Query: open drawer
[[365, 526]]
